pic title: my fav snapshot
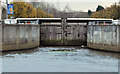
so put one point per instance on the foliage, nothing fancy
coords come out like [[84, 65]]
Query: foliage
[[46, 7], [42, 14], [89, 12], [3, 12], [26, 10], [57, 12], [99, 8], [109, 12]]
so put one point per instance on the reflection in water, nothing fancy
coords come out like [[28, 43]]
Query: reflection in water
[[60, 59]]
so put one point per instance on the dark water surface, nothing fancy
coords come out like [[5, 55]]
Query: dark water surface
[[59, 59]]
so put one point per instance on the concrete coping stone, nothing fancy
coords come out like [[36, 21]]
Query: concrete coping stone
[[22, 24]]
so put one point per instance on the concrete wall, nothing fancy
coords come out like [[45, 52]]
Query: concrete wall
[[19, 36], [0, 37], [51, 34], [57, 34], [76, 34], [14, 37], [104, 37]]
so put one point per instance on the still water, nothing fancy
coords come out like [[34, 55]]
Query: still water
[[59, 59]]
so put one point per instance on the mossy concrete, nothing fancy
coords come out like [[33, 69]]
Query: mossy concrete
[[76, 42], [51, 42], [105, 37], [73, 42], [15, 37]]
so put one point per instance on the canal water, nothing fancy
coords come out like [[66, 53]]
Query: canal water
[[59, 59]]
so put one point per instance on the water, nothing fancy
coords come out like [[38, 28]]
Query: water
[[59, 59]]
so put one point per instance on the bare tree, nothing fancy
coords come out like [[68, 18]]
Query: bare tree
[[67, 8]]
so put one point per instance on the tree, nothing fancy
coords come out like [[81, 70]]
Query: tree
[[3, 12], [20, 10], [31, 11], [42, 14], [109, 12], [26, 10], [49, 8], [99, 8], [89, 12]]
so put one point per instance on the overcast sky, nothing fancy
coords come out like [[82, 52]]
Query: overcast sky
[[78, 5]]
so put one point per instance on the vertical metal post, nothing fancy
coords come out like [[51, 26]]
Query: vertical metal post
[[39, 23], [6, 10], [64, 30]]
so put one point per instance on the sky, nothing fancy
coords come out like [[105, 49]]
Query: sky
[[77, 5]]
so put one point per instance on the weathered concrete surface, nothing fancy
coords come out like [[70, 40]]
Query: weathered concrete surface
[[51, 34], [19, 36], [104, 37], [58, 34], [0, 37], [76, 34]]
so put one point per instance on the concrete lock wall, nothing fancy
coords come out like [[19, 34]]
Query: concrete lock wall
[[104, 37], [76, 34], [19, 36], [51, 34], [57, 34], [14, 37]]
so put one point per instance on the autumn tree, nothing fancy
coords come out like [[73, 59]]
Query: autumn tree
[[31, 11], [109, 12], [26, 10], [42, 14]]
